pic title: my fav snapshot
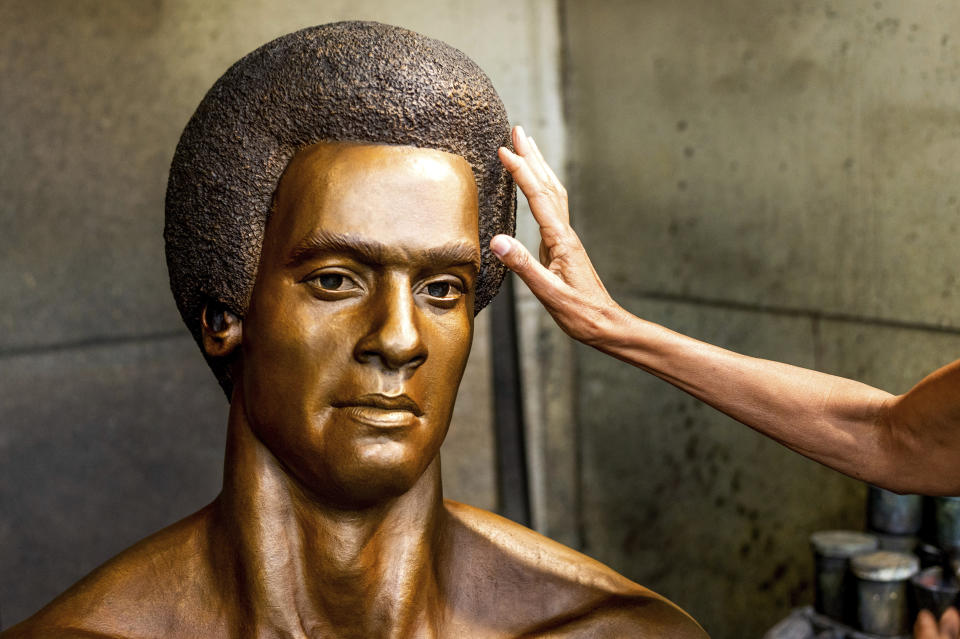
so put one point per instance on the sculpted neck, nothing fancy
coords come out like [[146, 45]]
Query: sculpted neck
[[306, 569]]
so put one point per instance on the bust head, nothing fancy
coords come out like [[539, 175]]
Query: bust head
[[361, 317], [357, 82]]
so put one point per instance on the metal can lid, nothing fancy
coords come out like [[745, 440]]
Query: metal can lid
[[885, 566], [842, 543]]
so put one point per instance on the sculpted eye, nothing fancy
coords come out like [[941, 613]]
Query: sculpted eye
[[331, 282], [438, 289], [443, 290]]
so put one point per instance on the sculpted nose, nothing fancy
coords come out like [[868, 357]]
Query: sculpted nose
[[394, 337]]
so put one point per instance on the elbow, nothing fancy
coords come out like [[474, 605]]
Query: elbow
[[898, 451], [915, 459]]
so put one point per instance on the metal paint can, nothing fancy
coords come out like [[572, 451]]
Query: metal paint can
[[882, 591], [947, 514], [894, 514], [834, 588], [930, 555], [932, 592], [897, 543]]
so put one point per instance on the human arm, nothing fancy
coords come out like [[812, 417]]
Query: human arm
[[907, 443]]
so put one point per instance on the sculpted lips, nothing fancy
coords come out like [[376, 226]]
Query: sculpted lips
[[382, 411]]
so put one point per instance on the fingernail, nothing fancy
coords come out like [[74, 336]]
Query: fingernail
[[500, 245], [521, 132]]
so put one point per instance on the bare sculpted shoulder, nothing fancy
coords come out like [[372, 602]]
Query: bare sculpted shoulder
[[495, 561], [139, 593]]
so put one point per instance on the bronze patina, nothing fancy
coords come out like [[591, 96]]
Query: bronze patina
[[330, 273]]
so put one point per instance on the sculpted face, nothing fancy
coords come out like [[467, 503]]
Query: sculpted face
[[361, 316]]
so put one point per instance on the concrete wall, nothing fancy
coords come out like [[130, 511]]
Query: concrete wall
[[779, 178], [110, 425]]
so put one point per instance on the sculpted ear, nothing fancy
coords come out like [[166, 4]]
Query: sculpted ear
[[222, 330]]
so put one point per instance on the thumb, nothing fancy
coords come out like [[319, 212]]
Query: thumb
[[542, 283]]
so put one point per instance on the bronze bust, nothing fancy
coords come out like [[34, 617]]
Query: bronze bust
[[329, 212]]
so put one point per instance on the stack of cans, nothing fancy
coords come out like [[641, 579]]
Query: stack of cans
[[835, 592], [876, 581]]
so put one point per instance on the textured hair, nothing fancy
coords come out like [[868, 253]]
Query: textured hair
[[345, 81]]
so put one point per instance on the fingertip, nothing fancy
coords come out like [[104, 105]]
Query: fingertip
[[950, 621], [925, 622], [508, 159], [500, 245], [520, 140]]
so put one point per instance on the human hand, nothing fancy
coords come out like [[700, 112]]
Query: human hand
[[564, 280], [928, 628]]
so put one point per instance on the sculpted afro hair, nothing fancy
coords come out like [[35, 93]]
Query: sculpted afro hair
[[346, 81]]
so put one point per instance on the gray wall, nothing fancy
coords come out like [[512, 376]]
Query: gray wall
[[110, 425], [779, 178]]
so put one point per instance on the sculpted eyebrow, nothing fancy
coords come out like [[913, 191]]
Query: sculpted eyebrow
[[324, 242], [455, 254], [376, 253]]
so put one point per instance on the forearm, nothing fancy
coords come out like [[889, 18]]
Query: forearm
[[839, 422]]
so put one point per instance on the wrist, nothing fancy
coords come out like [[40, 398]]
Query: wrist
[[607, 323]]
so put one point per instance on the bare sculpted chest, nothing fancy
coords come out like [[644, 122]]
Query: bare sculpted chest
[[496, 580]]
